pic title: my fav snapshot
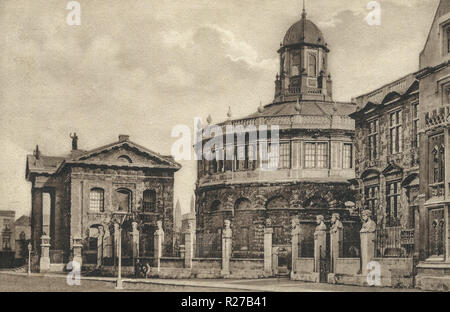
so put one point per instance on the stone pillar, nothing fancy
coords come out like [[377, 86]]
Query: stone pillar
[[77, 247], [101, 234], [227, 235], [135, 235], [116, 242], [268, 261], [320, 241], [189, 237], [368, 235], [44, 260], [336, 245], [158, 243], [295, 232]]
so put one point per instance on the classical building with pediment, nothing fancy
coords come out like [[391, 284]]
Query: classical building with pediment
[[76, 200]]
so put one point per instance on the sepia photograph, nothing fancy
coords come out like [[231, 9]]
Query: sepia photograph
[[217, 152]]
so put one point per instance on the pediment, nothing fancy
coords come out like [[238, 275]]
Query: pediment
[[126, 153], [392, 168]]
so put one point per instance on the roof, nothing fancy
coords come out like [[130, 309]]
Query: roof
[[387, 94], [304, 31], [307, 108], [23, 221], [48, 165]]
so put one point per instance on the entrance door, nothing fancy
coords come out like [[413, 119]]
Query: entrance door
[[325, 261]]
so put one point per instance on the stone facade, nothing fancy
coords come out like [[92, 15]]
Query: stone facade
[[433, 245], [87, 190], [387, 152], [314, 160]]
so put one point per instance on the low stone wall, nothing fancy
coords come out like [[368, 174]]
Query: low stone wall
[[127, 271], [395, 272], [172, 262], [348, 266], [246, 268], [206, 268], [304, 270]]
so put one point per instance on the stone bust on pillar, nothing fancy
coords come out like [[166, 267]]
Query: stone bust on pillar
[[320, 224], [227, 229], [336, 223], [268, 223], [369, 226], [295, 223]]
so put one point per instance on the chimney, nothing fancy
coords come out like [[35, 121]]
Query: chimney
[[123, 137]]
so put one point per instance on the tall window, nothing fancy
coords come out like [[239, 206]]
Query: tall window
[[312, 64], [316, 155], [373, 139], [123, 197], [371, 197], [437, 159], [285, 156], [348, 156], [395, 132], [448, 39], [393, 203], [245, 240], [149, 201], [439, 164], [415, 109], [96, 200]]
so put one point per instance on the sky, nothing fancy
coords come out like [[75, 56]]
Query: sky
[[141, 67]]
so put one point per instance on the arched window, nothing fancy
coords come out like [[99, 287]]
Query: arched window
[[312, 65], [125, 159], [22, 236], [123, 197], [96, 200], [149, 201], [242, 204], [216, 205], [438, 164]]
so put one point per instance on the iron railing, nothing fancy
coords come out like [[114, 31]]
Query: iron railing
[[394, 242], [208, 245]]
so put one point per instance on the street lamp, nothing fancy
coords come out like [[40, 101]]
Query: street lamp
[[29, 258], [119, 218]]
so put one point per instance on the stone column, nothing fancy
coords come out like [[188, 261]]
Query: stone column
[[336, 245], [158, 243], [295, 232], [101, 234], [44, 260], [320, 241], [227, 235], [189, 236], [368, 235], [116, 242], [77, 247], [268, 261], [135, 235]]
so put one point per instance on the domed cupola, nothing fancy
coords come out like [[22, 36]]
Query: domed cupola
[[303, 64], [304, 32]]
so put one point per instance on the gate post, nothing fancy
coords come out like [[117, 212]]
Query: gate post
[[268, 261], [44, 260], [189, 245], [295, 240], [320, 241], [158, 244], [101, 234], [135, 235], [227, 235], [368, 235], [77, 246], [336, 247]]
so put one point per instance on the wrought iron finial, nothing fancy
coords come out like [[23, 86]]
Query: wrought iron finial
[[74, 138], [229, 112]]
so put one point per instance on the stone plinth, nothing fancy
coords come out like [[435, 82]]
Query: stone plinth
[[44, 260], [227, 235], [268, 260]]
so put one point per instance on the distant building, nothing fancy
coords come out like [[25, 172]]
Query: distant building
[[7, 230], [76, 198], [22, 236]]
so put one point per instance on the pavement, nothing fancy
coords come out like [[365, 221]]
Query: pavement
[[19, 281]]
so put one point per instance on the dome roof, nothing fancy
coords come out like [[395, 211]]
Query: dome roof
[[306, 28]]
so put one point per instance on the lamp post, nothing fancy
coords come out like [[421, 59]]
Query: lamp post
[[29, 258], [119, 217]]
